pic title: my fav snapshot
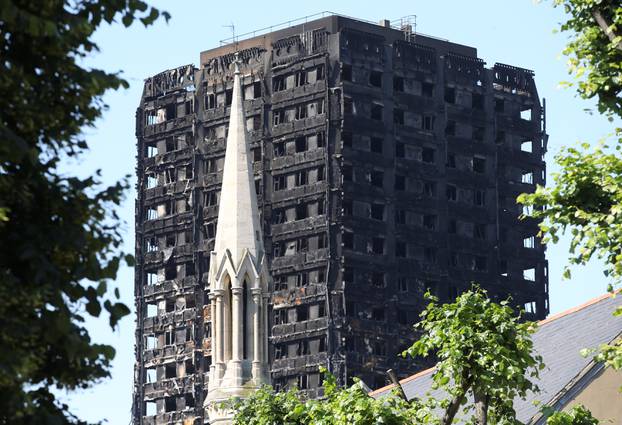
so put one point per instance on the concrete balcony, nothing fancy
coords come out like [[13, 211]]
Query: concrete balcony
[[170, 286], [169, 387], [177, 351]]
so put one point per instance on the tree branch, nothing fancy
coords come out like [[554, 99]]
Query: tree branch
[[602, 23], [454, 404], [481, 408], [396, 382], [452, 410]]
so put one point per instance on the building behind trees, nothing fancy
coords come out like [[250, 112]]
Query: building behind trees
[[387, 164]]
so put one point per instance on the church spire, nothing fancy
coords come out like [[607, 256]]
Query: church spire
[[238, 215], [238, 277]]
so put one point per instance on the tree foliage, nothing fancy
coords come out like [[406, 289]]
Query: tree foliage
[[348, 406], [484, 353], [578, 415], [60, 238], [594, 50], [585, 200], [611, 354]]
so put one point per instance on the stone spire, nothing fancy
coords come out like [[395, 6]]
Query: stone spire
[[238, 216], [238, 277]]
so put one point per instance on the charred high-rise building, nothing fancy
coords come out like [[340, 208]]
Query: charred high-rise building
[[386, 162]]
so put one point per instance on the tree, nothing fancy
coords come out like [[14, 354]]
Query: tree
[[578, 415], [267, 407], [484, 354], [586, 200], [348, 406], [60, 237], [586, 196], [595, 50]]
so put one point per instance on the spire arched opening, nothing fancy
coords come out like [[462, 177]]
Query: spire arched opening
[[228, 319]]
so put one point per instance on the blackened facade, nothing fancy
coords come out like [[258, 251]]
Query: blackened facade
[[387, 163]]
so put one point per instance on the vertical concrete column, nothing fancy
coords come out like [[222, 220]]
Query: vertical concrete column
[[263, 315], [214, 335]]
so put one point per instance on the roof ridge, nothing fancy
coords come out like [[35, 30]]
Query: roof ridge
[[403, 381], [540, 323], [580, 307]]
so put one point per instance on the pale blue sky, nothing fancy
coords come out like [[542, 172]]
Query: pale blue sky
[[516, 32]]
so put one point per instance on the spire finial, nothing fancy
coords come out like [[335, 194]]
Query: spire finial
[[236, 63]]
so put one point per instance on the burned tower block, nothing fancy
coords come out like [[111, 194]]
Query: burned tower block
[[384, 163]]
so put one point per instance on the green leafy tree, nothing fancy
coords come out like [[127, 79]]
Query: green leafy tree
[[611, 354], [484, 353], [347, 406], [268, 407], [586, 196], [586, 201], [595, 50], [578, 415], [60, 241]]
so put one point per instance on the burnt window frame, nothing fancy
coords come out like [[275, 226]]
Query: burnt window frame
[[375, 78]]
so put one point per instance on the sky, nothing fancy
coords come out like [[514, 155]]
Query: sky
[[515, 32]]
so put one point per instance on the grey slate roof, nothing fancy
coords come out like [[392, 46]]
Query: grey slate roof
[[559, 340]]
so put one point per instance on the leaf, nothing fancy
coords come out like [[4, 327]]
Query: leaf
[[4, 215], [130, 260], [101, 288], [117, 311], [128, 18], [93, 308]]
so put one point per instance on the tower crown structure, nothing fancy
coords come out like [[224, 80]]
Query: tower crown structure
[[238, 277]]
